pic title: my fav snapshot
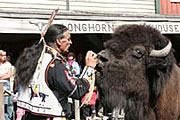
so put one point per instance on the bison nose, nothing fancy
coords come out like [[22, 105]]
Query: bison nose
[[102, 56], [103, 59]]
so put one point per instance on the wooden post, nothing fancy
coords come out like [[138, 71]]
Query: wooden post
[[67, 5], [77, 110], [1, 102]]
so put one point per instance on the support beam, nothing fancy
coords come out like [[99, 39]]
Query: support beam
[[67, 5], [77, 110], [1, 102]]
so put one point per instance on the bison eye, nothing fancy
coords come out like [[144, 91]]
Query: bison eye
[[138, 52]]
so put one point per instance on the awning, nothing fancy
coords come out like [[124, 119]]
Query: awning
[[85, 23]]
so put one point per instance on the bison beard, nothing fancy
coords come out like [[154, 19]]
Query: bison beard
[[147, 87]]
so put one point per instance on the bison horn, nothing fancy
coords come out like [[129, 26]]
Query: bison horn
[[163, 52]]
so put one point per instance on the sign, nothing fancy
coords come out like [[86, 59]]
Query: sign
[[108, 27], [167, 28], [29, 26], [89, 27]]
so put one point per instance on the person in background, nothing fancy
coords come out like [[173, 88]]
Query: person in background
[[72, 65], [89, 110], [19, 112], [5, 75], [45, 82], [80, 61]]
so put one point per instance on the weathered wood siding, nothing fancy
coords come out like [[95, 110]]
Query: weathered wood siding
[[120, 6], [96, 6], [168, 7], [32, 5]]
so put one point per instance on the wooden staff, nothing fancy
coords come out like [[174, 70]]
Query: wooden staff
[[49, 22]]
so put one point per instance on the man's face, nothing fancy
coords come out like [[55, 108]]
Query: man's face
[[66, 41]]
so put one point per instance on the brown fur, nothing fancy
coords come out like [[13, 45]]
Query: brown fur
[[147, 87]]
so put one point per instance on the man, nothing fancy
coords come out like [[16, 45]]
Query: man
[[44, 80]]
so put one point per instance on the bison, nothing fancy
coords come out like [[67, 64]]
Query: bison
[[139, 73]]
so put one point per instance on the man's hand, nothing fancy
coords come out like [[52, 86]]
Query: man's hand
[[91, 59]]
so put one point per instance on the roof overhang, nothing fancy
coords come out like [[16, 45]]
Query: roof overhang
[[29, 22]]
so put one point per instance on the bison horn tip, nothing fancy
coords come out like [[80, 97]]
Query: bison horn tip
[[163, 52]]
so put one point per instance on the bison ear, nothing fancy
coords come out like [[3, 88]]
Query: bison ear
[[110, 44]]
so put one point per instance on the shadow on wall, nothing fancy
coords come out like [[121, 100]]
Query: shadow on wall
[[14, 44], [84, 42], [175, 39]]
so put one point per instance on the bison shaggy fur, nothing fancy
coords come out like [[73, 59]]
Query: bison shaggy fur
[[147, 87]]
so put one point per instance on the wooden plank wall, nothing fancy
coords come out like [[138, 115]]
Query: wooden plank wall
[[32, 5], [167, 7], [95, 6], [117, 6]]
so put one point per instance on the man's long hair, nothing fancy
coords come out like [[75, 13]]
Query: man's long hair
[[27, 61]]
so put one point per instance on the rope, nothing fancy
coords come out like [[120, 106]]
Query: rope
[[88, 97], [43, 34], [42, 53], [55, 53]]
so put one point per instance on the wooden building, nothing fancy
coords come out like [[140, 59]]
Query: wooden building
[[93, 6], [170, 7], [91, 21]]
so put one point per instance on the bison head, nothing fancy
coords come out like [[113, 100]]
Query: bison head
[[135, 65]]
